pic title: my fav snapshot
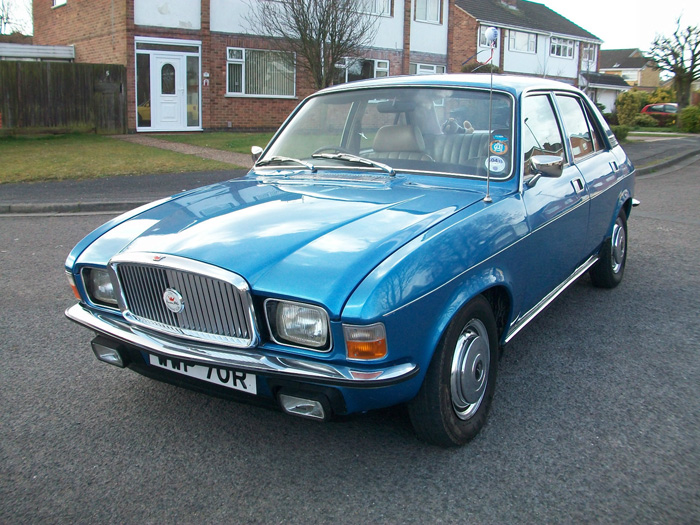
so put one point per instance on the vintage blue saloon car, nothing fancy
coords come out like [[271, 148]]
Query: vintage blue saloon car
[[393, 236]]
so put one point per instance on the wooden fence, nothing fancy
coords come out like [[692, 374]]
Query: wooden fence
[[62, 97]]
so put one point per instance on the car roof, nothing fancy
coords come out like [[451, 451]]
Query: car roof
[[510, 83]]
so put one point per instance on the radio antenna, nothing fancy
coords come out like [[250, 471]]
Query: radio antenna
[[491, 38]]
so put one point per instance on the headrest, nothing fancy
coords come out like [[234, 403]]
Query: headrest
[[399, 138]]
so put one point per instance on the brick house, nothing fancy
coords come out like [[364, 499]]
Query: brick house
[[631, 64], [532, 40], [195, 64]]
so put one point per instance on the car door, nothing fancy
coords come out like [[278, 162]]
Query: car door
[[557, 207], [594, 161]]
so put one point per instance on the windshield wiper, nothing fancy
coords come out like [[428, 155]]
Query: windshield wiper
[[280, 158], [349, 157]]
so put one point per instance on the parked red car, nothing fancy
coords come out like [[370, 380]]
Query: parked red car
[[665, 113]]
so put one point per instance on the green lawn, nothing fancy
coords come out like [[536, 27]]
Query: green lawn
[[226, 141], [77, 156]]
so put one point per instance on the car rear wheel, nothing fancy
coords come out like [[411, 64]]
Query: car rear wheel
[[608, 271], [453, 402]]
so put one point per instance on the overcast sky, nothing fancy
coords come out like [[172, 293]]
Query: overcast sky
[[619, 23], [623, 24]]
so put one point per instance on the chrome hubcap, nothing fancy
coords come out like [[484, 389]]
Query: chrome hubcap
[[619, 244], [470, 369]]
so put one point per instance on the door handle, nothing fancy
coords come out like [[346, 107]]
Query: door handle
[[578, 184], [614, 165]]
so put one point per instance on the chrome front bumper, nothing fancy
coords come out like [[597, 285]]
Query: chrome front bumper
[[255, 360]]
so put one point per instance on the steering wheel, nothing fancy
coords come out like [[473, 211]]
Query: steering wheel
[[337, 149]]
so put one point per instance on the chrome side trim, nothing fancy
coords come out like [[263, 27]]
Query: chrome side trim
[[255, 361], [521, 323]]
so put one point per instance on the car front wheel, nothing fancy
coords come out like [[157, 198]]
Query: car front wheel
[[454, 400]]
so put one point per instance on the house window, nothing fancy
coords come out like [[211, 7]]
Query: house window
[[381, 7], [56, 3], [562, 48], [483, 41], [425, 69], [350, 69], [522, 42], [258, 72], [589, 53], [428, 11]]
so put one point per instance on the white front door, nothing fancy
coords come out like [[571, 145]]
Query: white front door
[[169, 102]]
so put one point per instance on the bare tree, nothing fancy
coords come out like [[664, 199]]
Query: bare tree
[[15, 16], [5, 20], [679, 54], [319, 32]]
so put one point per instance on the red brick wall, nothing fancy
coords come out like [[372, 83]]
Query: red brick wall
[[97, 28], [461, 38]]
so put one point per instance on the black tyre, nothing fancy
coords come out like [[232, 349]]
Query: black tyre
[[608, 271], [454, 400]]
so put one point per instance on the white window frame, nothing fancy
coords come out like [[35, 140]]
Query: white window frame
[[430, 17], [57, 3], [241, 59], [381, 7], [427, 69], [483, 41], [589, 52], [378, 66], [517, 39], [561, 47]]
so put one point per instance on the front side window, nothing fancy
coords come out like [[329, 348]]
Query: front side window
[[562, 47], [541, 134], [428, 11], [522, 42], [258, 72]]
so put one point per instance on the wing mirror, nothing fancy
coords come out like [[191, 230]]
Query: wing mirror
[[255, 153], [545, 166]]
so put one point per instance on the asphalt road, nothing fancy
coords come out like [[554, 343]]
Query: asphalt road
[[596, 416]]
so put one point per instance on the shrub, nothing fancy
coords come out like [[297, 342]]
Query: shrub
[[629, 104], [661, 95], [620, 132], [476, 67], [690, 119], [611, 119], [645, 121]]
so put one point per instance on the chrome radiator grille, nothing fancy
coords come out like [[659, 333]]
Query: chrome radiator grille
[[212, 309]]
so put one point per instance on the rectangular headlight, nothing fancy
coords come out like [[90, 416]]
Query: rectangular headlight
[[298, 324], [99, 287]]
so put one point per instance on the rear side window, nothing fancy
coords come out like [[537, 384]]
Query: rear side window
[[541, 134], [576, 126]]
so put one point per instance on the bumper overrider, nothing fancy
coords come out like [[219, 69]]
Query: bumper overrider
[[116, 337]]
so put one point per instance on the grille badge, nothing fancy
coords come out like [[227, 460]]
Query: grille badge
[[173, 300]]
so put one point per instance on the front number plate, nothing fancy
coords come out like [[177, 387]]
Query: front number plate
[[234, 379]]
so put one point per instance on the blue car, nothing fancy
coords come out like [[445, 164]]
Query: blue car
[[390, 240]]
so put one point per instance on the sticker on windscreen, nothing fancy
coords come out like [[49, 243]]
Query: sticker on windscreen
[[498, 165], [498, 148]]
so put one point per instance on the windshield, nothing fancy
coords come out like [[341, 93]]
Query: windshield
[[429, 130]]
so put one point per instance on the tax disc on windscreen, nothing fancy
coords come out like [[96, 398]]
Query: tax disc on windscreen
[[495, 164]]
